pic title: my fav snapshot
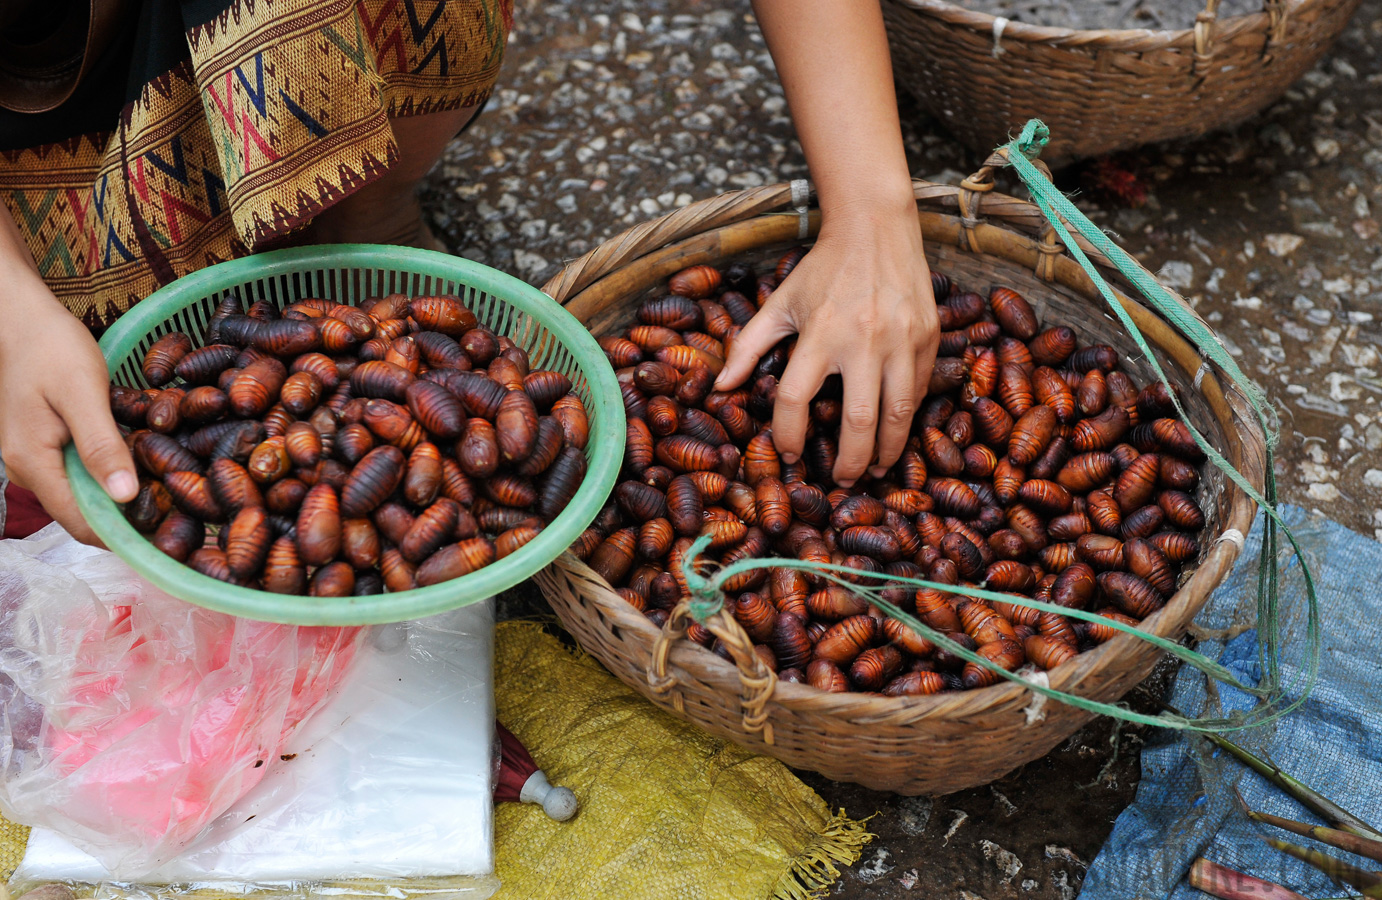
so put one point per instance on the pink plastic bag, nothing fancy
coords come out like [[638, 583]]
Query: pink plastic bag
[[131, 719]]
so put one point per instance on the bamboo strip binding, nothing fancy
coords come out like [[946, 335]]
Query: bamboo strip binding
[[913, 745]]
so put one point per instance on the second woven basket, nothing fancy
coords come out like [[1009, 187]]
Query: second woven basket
[[1101, 91]]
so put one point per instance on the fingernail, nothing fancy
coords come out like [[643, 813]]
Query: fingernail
[[121, 485], [790, 458], [878, 471], [846, 483]]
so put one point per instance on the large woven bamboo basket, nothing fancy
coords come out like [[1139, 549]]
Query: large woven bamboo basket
[[1103, 91], [913, 745]]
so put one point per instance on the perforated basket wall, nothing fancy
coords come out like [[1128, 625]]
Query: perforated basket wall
[[349, 274]]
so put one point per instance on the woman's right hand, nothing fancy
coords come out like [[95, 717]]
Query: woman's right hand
[[54, 389]]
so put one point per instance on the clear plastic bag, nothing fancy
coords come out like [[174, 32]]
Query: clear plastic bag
[[131, 720], [385, 793]]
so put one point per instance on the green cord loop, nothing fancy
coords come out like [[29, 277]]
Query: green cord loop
[[1033, 139], [706, 596]]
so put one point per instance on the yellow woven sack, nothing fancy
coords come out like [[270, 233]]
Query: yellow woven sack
[[13, 839], [666, 809]]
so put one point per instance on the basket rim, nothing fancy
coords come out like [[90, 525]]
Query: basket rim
[[1010, 214], [605, 445], [1129, 39]]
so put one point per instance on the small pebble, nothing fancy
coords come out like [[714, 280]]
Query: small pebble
[[1002, 802], [1177, 274], [874, 865], [1282, 244], [1325, 493], [1008, 864], [960, 818], [914, 813], [1065, 854]]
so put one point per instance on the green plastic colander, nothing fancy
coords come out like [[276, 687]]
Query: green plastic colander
[[348, 274]]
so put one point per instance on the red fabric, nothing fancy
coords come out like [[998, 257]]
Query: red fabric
[[23, 513], [515, 766]]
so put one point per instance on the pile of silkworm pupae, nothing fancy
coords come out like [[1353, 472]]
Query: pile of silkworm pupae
[[1034, 467], [348, 450]]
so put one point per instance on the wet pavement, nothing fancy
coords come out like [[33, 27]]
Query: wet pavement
[[1271, 230]]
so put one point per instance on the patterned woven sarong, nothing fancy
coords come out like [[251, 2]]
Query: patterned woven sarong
[[241, 120]]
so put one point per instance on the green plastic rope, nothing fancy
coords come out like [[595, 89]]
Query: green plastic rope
[[1061, 213], [1263, 714], [707, 597]]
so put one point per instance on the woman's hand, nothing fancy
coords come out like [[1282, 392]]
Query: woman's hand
[[54, 388], [861, 301]]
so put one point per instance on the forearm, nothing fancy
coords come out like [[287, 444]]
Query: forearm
[[832, 58], [54, 390], [19, 274], [860, 301]]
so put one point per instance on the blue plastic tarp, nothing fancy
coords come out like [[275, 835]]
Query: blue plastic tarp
[[1186, 806]]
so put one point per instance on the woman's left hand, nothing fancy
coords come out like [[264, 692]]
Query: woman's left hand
[[862, 304]]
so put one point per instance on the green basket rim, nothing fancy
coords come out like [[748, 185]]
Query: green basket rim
[[604, 449]]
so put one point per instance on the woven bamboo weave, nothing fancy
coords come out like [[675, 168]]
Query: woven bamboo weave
[[912, 745], [1102, 91]]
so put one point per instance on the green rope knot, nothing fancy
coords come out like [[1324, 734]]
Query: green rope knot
[[1033, 139], [706, 597]]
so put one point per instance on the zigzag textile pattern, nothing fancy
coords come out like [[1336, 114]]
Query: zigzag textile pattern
[[278, 109]]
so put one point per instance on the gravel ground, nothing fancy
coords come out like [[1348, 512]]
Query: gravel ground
[[604, 120]]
